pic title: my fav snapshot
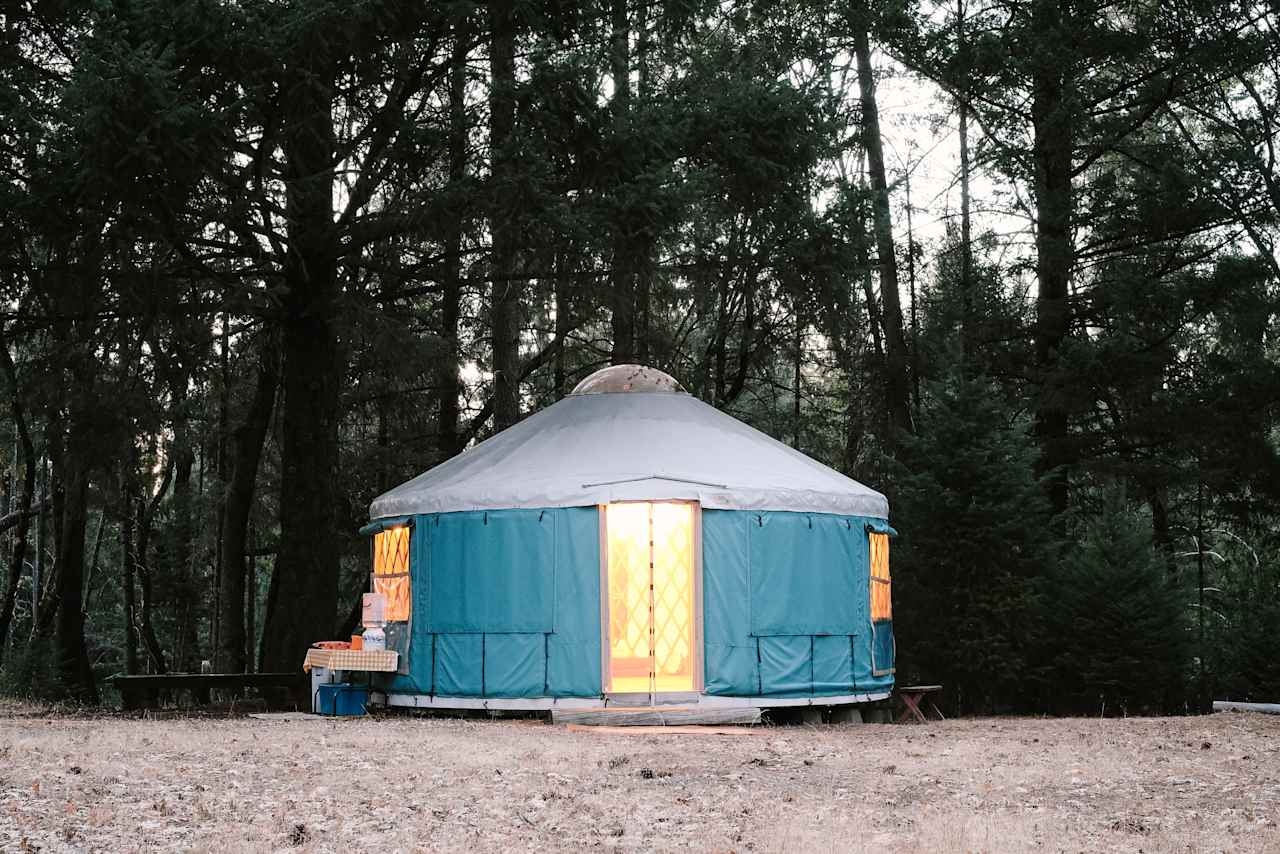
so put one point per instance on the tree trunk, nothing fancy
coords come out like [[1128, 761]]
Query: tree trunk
[[877, 341], [93, 562], [37, 565], [797, 364], [1052, 151], [645, 239], [224, 430], [897, 387], [643, 288], [621, 300], [843, 329], [19, 551], [47, 608], [913, 295], [966, 242], [129, 558], [268, 609], [307, 565], [563, 321], [504, 310], [1161, 533], [622, 276], [73, 658], [251, 602], [245, 453], [746, 339], [853, 428], [183, 604], [873, 316], [719, 342], [447, 381], [10, 475], [967, 334], [146, 516]]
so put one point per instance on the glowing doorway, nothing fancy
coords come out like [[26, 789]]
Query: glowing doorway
[[651, 628]]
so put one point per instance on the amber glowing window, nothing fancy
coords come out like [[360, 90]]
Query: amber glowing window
[[391, 572], [881, 586]]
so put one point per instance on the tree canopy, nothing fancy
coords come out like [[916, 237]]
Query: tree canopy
[[1013, 264]]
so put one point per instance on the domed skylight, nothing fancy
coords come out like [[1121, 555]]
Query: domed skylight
[[628, 378]]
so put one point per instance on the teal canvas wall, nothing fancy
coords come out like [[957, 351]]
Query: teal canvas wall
[[787, 605], [507, 604]]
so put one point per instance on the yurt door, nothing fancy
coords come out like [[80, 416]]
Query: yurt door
[[651, 626]]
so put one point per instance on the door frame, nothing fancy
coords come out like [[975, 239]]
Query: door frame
[[699, 648]]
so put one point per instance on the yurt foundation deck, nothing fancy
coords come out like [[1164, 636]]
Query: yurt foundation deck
[[580, 704], [656, 716]]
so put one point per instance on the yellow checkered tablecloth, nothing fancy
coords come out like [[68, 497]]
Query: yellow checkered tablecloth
[[381, 660]]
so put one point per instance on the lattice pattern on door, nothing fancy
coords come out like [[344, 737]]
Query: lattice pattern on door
[[628, 528], [651, 595], [673, 589]]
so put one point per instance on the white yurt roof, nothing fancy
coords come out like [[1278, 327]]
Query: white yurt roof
[[630, 433]]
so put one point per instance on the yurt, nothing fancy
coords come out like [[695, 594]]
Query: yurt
[[632, 545]]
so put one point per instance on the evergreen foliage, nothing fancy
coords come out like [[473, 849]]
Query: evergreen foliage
[[1242, 611], [261, 261], [1117, 627], [975, 539]]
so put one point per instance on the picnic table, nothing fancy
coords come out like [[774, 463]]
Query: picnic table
[[143, 691], [324, 665], [912, 697], [363, 660]]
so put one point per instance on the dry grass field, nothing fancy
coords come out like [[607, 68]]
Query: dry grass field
[[419, 784]]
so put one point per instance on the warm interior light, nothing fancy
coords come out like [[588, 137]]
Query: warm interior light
[[628, 543], [391, 572], [673, 596], [881, 585], [651, 614]]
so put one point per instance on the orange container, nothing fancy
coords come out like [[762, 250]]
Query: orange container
[[357, 642]]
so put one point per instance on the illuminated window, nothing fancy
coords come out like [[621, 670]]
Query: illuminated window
[[881, 586], [391, 572]]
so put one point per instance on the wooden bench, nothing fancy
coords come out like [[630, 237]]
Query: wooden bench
[[911, 697], [144, 691]]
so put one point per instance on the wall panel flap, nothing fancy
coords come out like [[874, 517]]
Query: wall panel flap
[[805, 573], [493, 572]]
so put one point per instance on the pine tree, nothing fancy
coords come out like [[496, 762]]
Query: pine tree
[[976, 533], [1242, 610], [1117, 620]]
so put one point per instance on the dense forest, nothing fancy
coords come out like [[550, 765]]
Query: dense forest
[[261, 260]]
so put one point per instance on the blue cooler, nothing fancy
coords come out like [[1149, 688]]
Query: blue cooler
[[342, 699]]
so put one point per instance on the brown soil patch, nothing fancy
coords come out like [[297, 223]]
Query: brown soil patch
[[418, 784]]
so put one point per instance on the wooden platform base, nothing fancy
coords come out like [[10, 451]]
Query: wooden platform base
[[669, 730], [290, 716], [655, 716]]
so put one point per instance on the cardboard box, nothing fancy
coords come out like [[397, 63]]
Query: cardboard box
[[375, 605]]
